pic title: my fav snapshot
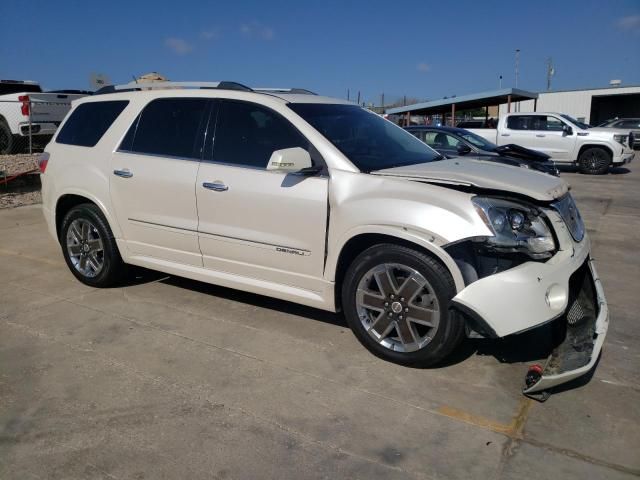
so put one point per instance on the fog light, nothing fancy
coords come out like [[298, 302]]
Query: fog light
[[556, 297]]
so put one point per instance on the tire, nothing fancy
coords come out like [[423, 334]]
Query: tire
[[376, 317], [7, 142], [89, 248], [594, 161]]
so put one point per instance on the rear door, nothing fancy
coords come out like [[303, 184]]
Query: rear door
[[153, 179], [267, 225]]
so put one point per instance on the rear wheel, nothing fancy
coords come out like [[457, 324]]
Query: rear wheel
[[6, 138], [89, 248], [594, 161], [396, 301]]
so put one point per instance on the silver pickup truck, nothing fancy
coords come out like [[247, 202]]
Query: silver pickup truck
[[564, 139]]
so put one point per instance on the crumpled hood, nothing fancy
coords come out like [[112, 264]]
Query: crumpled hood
[[493, 176]]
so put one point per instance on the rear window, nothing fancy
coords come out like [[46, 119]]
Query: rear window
[[89, 122], [9, 88]]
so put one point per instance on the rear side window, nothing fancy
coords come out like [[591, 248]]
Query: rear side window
[[520, 122], [168, 127], [247, 134], [89, 122]]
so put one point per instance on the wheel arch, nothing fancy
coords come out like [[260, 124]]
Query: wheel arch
[[69, 200], [360, 240], [601, 146]]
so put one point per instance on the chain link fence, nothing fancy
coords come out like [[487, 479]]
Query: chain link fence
[[27, 126]]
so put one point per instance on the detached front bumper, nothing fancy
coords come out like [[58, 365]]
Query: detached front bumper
[[587, 321]]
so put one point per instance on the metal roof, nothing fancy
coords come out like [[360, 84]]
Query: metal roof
[[464, 102]]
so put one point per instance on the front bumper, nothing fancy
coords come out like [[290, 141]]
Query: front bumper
[[587, 321], [624, 158], [535, 293]]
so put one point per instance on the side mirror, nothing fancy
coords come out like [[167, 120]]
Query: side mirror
[[463, 148], [290, 160], [567, 130]]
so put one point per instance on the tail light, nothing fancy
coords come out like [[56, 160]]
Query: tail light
[[43, 160], [25, 105]]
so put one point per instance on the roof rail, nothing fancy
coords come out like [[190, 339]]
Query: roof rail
[[137, 86], [300, 91]]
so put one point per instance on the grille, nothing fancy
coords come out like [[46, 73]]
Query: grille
[[568, 210]]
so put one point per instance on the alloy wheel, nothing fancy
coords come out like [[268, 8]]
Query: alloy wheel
[[85, 247], [397, 307]]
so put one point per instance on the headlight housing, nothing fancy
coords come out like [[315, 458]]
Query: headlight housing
[[516, 227], [621, 139]]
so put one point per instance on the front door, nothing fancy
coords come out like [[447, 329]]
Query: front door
[[267, 225], [153, 177]]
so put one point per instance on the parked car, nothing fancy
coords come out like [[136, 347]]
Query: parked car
[[318, 201], [632, 124], [564, 139], [455, 142], [24, 108]]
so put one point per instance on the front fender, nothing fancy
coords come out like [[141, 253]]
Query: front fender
[[427, 241]]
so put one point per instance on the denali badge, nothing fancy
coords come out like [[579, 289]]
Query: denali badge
[[293, 251]]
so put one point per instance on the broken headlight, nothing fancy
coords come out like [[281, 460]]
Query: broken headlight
[[516, 227]]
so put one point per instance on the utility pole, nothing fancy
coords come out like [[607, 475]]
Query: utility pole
[[500, 82], [382, 102], [517, 65], [347, 94], [358, 97], [550, 72]]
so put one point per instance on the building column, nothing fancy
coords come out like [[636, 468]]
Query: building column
[[508, 103]]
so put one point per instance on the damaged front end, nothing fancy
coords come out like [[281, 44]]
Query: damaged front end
[[535, 269]]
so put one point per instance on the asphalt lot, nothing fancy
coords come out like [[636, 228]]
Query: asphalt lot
[[169, 378]]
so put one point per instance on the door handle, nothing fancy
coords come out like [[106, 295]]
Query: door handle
[[540, 135], [124, 173], [505, 135], [216, 186]]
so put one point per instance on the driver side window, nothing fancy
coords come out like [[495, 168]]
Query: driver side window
[[247, 134]]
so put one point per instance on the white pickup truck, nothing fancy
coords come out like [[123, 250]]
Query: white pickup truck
[[564, 139], [24, 107]]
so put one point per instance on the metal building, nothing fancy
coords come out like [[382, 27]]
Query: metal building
[[593, 106]]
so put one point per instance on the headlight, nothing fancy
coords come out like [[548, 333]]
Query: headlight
[[622, 139], [516, 227]]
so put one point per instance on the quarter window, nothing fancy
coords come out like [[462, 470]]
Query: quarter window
[[247, 134], [168, 127], [89, 122]]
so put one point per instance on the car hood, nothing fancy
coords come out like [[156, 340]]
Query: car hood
[[484, 175], [611, 130]]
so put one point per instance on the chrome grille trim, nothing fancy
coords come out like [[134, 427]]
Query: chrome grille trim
[[569, 212]]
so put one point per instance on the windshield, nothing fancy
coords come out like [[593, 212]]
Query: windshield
[[368, 140], [478, 141], [581, 125]]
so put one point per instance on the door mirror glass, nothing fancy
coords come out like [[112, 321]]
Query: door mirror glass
[[567, 130], [463, 148], [290, 160]]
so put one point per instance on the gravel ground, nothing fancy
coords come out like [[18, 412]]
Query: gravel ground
[[19, 192]]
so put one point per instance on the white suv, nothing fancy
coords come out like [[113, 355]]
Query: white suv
[[318, 201]]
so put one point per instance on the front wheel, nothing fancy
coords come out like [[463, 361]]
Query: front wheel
[[89, 248], [396, 301], [594, 161]]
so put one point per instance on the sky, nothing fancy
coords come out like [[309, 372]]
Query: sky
[[422, 49]]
